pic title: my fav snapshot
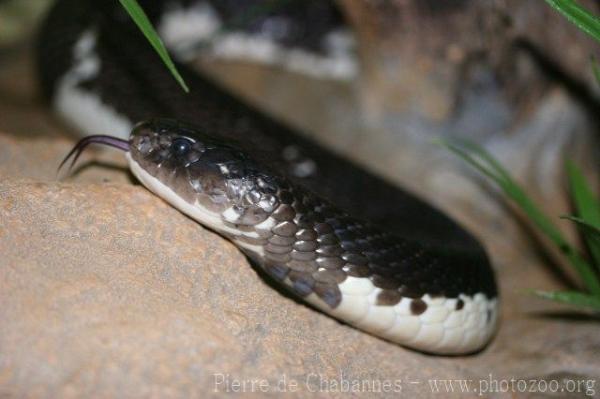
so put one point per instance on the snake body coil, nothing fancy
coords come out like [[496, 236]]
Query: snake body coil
[[410, 275]]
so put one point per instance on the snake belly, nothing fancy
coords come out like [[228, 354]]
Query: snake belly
[[341, 239]]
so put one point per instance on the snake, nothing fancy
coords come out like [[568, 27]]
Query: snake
[[337, 237]]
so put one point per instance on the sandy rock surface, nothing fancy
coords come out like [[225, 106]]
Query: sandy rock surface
[[107, 291]]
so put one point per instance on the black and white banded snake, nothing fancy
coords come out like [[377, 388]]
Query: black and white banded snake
[[409, 274]]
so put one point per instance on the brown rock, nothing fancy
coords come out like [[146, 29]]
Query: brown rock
[[107, 291]]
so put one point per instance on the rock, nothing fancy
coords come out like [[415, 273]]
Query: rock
[[108, 291]]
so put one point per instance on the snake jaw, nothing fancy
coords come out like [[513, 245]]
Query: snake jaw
[[96, 139]]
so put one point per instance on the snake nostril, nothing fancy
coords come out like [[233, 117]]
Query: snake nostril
[[144, 145]]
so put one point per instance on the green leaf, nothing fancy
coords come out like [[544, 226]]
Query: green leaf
[[486, 164], [582, 18], [594, 230], [587, 207], [591, 234], [139, 17], [571, 297], [586, 203], [595, 69]]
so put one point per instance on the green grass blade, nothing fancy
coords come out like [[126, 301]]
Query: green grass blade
[[586, 203], [139, 17], [572, 298], [593, 230], [486, 164], [582, 18], [587, 207], [595, 69], [462, 153], [591, 235], [500, 171]]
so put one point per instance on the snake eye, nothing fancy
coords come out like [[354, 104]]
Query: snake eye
[[181, 146]]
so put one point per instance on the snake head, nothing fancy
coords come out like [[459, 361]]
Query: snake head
[[209, 179]]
